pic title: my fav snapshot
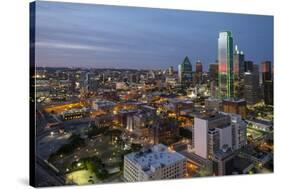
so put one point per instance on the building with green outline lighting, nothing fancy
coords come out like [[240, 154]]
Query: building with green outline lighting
[[225, 58]]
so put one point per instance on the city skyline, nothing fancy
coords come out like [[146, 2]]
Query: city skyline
[[118, 94], [92, 36]]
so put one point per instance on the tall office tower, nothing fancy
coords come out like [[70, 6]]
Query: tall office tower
[[249, 66], [198, 72], [199, 67], [267, 82], [155, 163], [225, 56], [185, 71], [251, 85], [238, 71], [268, 92], [213, 76], [213, 71], [211, 132], [266, 71], [238, 62]]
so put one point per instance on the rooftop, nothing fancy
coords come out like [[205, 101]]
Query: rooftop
[[234, 100], [261, 122], [176, 100], [210, 116], [157, 156]]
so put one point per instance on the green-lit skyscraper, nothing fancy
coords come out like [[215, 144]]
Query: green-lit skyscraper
[[225, 58]]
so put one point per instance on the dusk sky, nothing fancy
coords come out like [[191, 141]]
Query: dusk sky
[[97, 36]]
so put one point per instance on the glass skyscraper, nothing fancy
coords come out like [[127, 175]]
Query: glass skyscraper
[[185, 71], [225, 57], [238, 71], [238, 63]]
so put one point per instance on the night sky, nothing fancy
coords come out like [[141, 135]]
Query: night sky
[[97, 36]]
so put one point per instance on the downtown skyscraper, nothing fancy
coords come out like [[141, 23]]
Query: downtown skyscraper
[[238, 71], [185, 71], [238, 62], [198, 72], [267, 82], [251, 86], [225, 58]]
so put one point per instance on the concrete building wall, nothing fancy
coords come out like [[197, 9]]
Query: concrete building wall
[[200, 137], [225, 136]]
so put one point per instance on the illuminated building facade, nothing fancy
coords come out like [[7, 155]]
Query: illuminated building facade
[[251, 86], [225, 57], [238, 71], [235, 106]]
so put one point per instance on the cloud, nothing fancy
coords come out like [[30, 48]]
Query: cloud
[[72, 46]]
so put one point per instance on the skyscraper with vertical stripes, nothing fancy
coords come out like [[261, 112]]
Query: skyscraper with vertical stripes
[[225, 58]]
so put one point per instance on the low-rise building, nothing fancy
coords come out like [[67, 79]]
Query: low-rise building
[[213, 104], [237, 106], [260, 125], [155, 163], [102, 105]]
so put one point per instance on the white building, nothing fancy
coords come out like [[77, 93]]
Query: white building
[[210, 133], [213, 131], [239, 131], [155, 163]]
